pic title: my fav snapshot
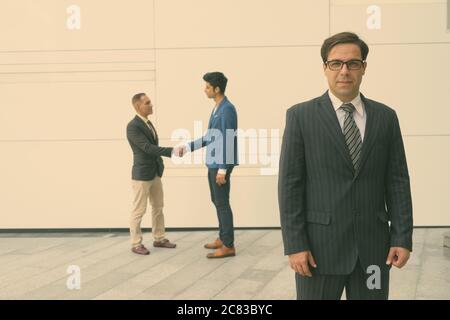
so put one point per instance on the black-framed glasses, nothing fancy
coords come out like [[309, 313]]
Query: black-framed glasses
[[337, 65]]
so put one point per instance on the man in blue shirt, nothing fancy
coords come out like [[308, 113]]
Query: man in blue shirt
[[221, 157]]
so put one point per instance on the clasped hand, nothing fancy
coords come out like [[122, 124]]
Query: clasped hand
[[179, 151]]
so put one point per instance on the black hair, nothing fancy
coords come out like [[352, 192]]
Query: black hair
[[341, 38], [216, 79]]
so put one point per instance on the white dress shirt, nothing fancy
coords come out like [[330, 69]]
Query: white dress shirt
[[359, 115]]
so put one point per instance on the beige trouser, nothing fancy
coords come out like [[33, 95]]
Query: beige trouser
[[144, 191]]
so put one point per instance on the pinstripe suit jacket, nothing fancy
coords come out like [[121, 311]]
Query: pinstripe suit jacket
[[328, 208]]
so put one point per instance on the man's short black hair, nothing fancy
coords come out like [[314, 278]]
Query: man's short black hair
[[216, 79], [341, 38], [137, 97]]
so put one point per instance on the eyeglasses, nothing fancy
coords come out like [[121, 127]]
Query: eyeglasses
[[337, 65]]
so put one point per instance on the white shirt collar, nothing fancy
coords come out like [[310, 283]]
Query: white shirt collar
[[357, 102], [142, 118]]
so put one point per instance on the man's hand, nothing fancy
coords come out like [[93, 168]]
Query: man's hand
[[398, 257], [179, 151], [220, 179], [300, 262]]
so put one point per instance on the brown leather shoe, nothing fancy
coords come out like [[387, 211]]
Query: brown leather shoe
[[140, 250], [214, 245], [164, 243], [222, 252]]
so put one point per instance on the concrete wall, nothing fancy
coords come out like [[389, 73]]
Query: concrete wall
[[65, 98]]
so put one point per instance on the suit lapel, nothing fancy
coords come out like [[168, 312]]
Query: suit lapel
[[370, 132], [219, 111], [211, 119], [146, 130], [333, 128]]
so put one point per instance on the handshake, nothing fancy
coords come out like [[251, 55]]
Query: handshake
[[180, 151]]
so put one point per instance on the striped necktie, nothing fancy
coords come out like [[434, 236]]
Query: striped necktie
[[352, 134]]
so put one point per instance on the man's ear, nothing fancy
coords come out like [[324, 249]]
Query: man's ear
[[365, 67], [217, 90]]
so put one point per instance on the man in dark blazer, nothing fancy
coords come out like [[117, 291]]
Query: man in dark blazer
[[342, 177], [221, 157], [146, 174]]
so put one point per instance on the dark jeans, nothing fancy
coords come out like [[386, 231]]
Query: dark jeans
[[220, 196]]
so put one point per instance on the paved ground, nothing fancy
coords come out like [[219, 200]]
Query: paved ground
[[35, 267]]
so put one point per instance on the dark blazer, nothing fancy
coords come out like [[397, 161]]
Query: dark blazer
[[328, 208], [147, 161], [220, 138]]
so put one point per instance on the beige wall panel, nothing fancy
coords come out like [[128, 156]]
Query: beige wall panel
[[65, 184], [88, 185], [203, 23], [263, 83], [70, 57], [68, 78], [73, 110], [253, 201], [414, 80], [42, 25], [402, 21], [55, 69], [429, 170], [65, 99]]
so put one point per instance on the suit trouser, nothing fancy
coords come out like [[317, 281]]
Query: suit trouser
[[331, 287], [220, 197], [143, 192]]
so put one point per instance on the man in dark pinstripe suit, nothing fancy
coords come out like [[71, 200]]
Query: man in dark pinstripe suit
[[343, 176]]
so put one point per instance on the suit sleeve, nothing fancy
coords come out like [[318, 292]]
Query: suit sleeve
[[228, 127], [398, 192], [291, 187], [198, 144], [137, 138]]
